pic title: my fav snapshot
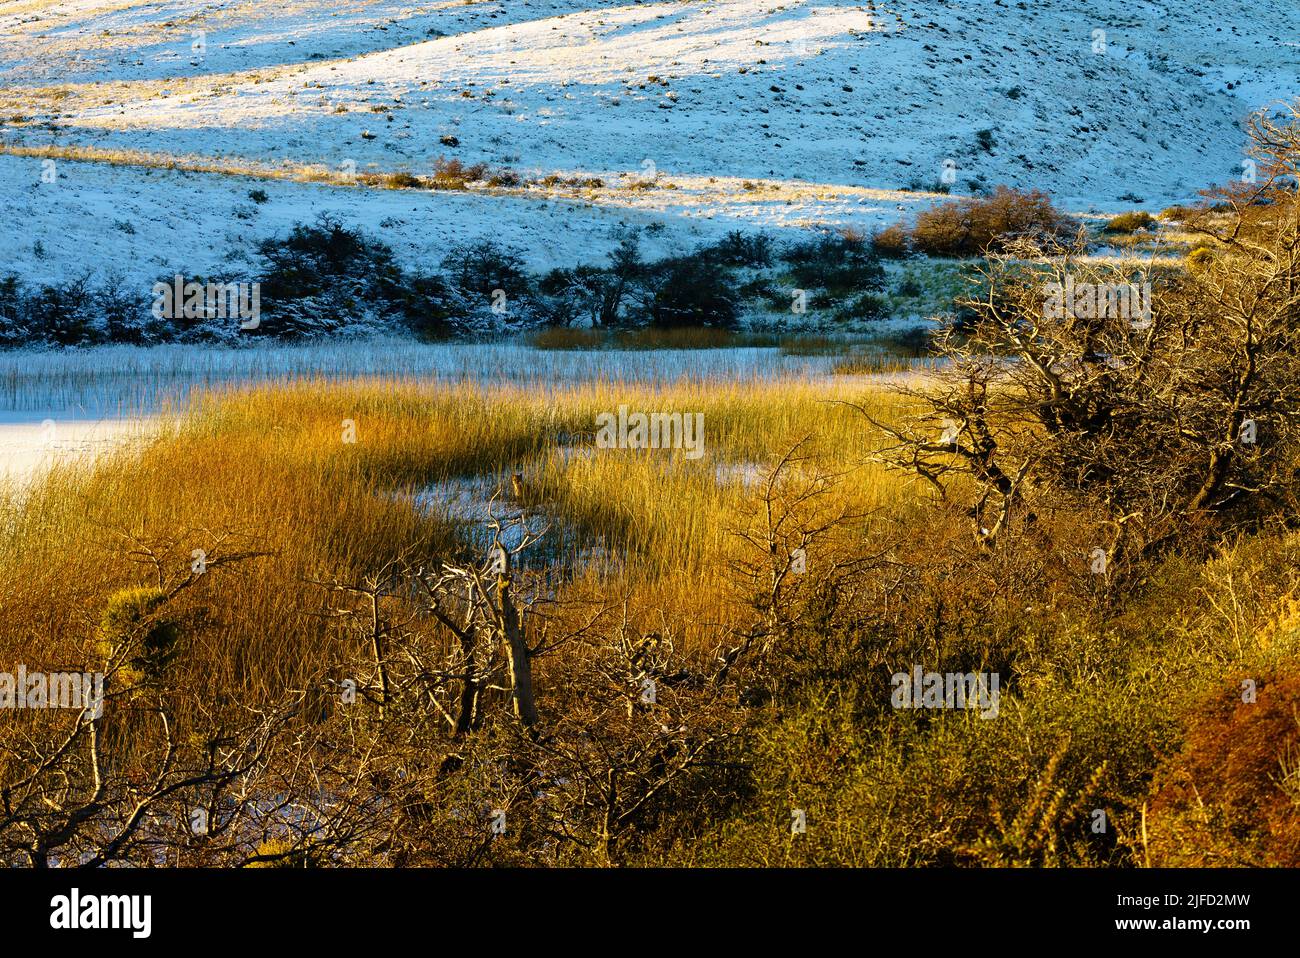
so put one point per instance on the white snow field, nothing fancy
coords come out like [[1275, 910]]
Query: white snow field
[[702, 116]]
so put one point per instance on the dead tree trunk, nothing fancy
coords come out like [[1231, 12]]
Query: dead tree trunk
[[467, 714], [517, 652]]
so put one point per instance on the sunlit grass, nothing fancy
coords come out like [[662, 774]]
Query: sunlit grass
[[270, 467]]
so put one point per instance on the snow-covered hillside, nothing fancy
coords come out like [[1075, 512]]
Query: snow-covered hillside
[[737, 112]]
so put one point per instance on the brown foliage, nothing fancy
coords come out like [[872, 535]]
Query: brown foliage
[[454, 174], [969, 227], [1232, 795], [892, 242], [1130, 222]]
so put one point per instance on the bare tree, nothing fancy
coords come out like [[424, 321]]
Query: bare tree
[[101, 784], [787, 554], [1158, 400]]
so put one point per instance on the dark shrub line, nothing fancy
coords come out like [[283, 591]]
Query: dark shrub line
[[327, 278]]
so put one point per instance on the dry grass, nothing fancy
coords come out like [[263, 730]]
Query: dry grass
[[267, 470], [446, 175], [266, 467]]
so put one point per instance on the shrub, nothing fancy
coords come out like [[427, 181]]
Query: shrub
[[15, 324], [970, 227], [1200, 258], [691, 291], [779, 298], [1131, 222], [1230, 796], [426, 305], [124, 310], [455, 175], [285, 853], [567, 296], [865, 307], [402, 180], [840, 264], [738, 249], [763, 288], [321, 276], [893, 790], [76, 313], [65, 313], [596, 295], [327, 248], [918, 185], [909, 287], [892, 242], [130, 627], [1088, 382], [480, 268]]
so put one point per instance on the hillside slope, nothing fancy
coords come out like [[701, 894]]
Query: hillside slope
[[1103, 103]]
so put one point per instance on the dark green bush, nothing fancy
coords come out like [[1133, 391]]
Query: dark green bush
[[739, 249], [840, 264], [480, 268], [65, 314], [325, 275], [864, 307], [691, 291], [15, 320]]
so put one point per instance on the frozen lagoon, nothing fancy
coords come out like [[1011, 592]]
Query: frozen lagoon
[[29, 443], [60, 404]]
